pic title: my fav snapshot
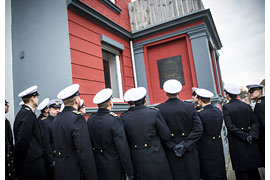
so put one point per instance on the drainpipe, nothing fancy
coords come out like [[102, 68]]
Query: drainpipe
[[133, 64]]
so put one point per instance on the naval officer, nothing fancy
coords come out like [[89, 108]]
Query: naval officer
[[131, 104], [212, 162], [44, 109], [109, 141], [73, 150], [185, 129], [145, 128], [256, 93], [243, 132], [10, 173], [46, 129], [29, 158]]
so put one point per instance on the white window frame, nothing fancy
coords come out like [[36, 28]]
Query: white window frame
[[113, 1], [118, 71]]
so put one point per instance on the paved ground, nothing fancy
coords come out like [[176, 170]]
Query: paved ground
[[230, 171]]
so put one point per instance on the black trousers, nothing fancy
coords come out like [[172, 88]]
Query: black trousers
[[248, 175]]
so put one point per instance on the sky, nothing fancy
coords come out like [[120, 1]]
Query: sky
[[241, 28]]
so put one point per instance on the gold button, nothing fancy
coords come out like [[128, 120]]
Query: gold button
[[8, 164], [242, 128], [248, 127], [145, 145], [214, 137], [9, 174], [7, 155], [172, 134], [10, 152], [219, 136], [12, 161], [135, 146], [183, 134], [101, 150], [54, 151], [59, 153]]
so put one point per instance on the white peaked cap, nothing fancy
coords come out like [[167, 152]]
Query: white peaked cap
[[172, 86], [21, 103], [128, 93], [62, 107], [232, 89], [43, 104], [28, 91], [68, 91], [102, 96], [204, 93], [138, 94]]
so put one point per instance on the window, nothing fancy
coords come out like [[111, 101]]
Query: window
[[112, 74]]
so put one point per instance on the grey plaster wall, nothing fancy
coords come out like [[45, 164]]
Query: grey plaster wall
[[40, 31], [202, 60], [140, 70], [8, 63]]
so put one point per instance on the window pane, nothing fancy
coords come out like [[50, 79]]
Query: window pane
[[107, 74], [112, 74]]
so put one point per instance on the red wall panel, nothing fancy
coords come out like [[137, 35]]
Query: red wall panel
[[164, 49], [86, 57], [122, 19]]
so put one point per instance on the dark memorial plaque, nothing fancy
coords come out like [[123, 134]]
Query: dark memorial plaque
[[170, 68]]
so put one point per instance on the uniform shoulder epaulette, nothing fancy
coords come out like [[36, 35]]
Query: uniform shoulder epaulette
[[28, 109], [76, 112], [113, 114], [43, 118], [259, 101], [200, 110], [154, 108]]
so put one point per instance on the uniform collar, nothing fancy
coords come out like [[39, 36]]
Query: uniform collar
[[103, 110], [172, 100], [234, 100], [261, 98], [208, 106], [30, 107], [138, 106], [68, 108]]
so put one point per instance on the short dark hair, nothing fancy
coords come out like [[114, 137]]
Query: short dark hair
[[232, 96], [193, 93], [203, 99], [172, 95], [43, 110], [139, 102], [105, 104], [26, 99]]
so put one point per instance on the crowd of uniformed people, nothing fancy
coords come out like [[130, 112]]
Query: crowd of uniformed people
[[176, 140]]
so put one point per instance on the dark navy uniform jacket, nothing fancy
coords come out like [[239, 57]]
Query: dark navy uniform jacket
[[41, 117], [145, 128], [46, 129], [259, 111], [212, 162], [185, 126], [240, 122], [9, 153], [110, 146], [29, 159], [74, 156]]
